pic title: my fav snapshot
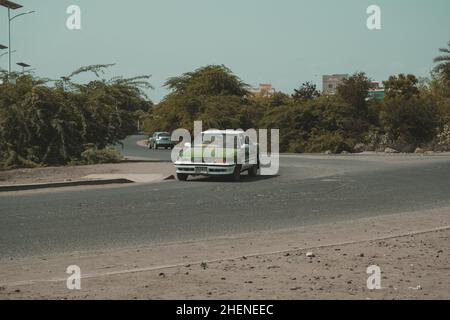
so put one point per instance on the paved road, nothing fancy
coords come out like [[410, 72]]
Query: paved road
[[309, 190], [134, 151]]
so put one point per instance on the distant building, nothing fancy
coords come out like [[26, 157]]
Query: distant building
[[331, 83], [376, 92], [264, 90], [375, 85]]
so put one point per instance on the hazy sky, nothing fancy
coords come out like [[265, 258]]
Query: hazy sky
[[283, 42]]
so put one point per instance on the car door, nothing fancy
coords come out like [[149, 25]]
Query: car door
[[251, 151], [244, 151]]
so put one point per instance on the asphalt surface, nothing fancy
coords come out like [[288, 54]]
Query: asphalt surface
[[131, 150], [308, 190]]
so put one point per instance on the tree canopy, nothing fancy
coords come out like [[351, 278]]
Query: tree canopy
[[443, 63], [44, 124], [212, 80], [212, 94], [412, 114], [402, 85], [307, 91]]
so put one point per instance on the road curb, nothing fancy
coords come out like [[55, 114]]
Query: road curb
[[35, 186], [99, 182], [145, 161]]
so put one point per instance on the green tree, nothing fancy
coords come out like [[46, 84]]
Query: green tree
[[354, 90], [307, 91], [42, 124], [402, 85], [409, 120], [212, 80], [271, 101], [443, 63], [212, 94], [306, 126]]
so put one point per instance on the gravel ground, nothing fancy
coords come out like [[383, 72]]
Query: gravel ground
[[414, 265]]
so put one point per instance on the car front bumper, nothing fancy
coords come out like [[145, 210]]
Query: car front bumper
[[205, 169], [164, 143]]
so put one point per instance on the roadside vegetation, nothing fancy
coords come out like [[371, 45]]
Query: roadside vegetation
[[45, 122], [57, 122], [414, 115]]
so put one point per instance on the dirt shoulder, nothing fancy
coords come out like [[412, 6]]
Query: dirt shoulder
[[71, 173], [410, 248]]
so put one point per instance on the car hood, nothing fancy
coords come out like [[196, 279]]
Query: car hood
[[204, 152]]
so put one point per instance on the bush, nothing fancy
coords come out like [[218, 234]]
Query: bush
[[321, 141], [443, 138], [409, 121], [307, 121], [297, 146], [97, 156], [375, 140], [50, 125]]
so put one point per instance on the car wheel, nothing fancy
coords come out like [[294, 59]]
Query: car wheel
[[236, 176], [253, 171], [182, 176]]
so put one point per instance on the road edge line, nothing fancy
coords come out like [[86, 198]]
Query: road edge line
[[35, 186], [147, 269]]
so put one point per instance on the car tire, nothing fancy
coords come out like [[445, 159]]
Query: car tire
[[253, 171], [236, 176], [182, 177]]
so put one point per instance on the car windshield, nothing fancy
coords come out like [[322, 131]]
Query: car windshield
[[220, 141], [164, 135]]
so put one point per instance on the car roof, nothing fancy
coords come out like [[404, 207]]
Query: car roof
[[236, 132]]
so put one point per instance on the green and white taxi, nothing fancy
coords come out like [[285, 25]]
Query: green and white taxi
[[218, 153]]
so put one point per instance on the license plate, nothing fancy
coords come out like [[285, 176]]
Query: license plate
[[201, 170]]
